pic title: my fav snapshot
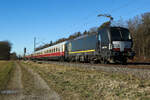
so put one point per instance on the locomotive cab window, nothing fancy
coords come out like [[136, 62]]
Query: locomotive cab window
[[118, 34], [99, 37], [103, 36]]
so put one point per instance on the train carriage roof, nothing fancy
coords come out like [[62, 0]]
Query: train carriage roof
[[56, 45]]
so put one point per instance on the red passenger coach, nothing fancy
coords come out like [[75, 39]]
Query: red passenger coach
[[55, 52]]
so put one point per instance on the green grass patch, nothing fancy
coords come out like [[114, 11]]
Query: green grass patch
[[5, 72], [74, 83]]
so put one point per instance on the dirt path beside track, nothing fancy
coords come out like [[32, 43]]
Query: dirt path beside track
[[14, 88], [35, 87], [27, 85]]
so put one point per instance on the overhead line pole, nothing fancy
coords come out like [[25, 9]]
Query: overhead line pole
[[34, 43]]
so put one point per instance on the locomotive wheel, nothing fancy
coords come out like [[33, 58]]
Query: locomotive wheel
[[104, 61], [124, 61], [92, 62]]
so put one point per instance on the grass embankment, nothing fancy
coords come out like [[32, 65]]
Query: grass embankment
[[74, 83], [5, 73]]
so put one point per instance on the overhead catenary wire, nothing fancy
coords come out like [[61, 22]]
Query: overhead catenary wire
[[111, 11]]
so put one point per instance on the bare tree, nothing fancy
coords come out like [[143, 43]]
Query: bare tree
[[140, 30], [5, 48]]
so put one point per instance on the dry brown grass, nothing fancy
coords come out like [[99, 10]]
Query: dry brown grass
[[74, 83]]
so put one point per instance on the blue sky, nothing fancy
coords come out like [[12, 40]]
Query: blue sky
[[22, 20]]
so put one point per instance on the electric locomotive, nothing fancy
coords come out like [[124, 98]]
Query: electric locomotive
[[110, 44]]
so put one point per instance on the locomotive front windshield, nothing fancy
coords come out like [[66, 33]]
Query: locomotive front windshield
[[118, 34]]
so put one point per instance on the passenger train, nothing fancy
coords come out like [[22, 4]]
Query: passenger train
[[109, 45]]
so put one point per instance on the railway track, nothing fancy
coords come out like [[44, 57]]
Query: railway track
[[134, 65], [141, 70]]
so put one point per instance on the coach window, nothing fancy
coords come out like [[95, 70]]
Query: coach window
[[62, 48]]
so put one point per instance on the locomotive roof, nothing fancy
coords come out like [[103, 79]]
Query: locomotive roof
[[119, 28], [82, 36]]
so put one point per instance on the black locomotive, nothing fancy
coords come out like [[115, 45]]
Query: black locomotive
[[110, 44]]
